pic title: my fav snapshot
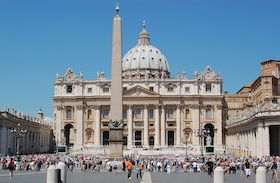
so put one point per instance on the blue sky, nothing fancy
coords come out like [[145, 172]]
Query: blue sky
[[40, 38]]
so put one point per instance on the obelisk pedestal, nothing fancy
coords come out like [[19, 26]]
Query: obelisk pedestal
[[116, 123]]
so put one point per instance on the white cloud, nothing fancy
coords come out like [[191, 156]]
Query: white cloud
[[49, 119]]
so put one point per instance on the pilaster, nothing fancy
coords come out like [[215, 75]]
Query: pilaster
[[163, 144], [146, 126], [129, 127]]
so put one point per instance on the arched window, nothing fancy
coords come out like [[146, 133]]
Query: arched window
[[138, 113], [151, 141], [187, 114], [68, 113], [106, 113], [89, 114], [208, 112], [170, 113]]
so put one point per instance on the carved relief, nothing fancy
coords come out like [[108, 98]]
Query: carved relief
[[209, 74]]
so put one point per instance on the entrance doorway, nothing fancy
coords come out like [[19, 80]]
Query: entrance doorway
[[106, 138], [274, 140], [69, 135], [138, 138], [170, 136]]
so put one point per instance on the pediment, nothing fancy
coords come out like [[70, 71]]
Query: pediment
[[139, 91]]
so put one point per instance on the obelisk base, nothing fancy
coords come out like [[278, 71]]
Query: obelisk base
[[116, 144]]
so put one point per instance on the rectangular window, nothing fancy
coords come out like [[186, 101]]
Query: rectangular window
[[124, 88], [69, 88], [105, 124], [151, 114], [170, 113], [151, 88], [208, 88], [138, 113], [187, 89], [124, 114], [266, 86], [89, 90], [170, 89], [106, 90]]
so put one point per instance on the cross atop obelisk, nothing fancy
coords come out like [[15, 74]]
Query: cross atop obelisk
[[116, 124]]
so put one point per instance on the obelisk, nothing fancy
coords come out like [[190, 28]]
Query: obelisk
[[116, 123]]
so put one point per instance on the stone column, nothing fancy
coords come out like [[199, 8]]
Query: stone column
[[80, 125], [97, 126], [146, 126], [178, 125], [266, 141], [59, 117], [157, 126], [129, 127], [4, 140], [195, 123], [219, 126], [163, 144], [259, 141]]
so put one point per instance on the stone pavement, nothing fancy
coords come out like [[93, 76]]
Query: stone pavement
[[108, 177]]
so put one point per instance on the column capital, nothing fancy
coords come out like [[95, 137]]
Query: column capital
[[59, 107], [80, 107], [163, 106], [195, 106], [157, 106], [180, 106], [219, 107], [146, 106], [130, 106], [89, 107], [97, 107]]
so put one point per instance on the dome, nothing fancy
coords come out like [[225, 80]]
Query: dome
[[145, 60]]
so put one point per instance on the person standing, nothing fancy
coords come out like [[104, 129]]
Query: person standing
[[123, 164], [247, 169], [139, 169], [129, 168], [115, 166], [210, 166], [194, 166], [274, 168], [11, 167]]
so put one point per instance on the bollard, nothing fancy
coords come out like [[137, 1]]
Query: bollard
[[219, 175], [261, 175], [53, 174], [63, 169]]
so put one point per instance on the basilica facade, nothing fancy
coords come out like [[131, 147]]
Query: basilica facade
[[158, 111]]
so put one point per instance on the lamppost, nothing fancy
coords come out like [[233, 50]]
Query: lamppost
[[18, 132], [202, 133]]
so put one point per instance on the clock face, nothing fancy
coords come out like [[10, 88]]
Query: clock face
[[69, 77]]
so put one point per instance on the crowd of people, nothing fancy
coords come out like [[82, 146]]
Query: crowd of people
[[231, 164]]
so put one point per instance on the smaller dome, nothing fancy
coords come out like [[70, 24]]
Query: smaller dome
[[145, 60]]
